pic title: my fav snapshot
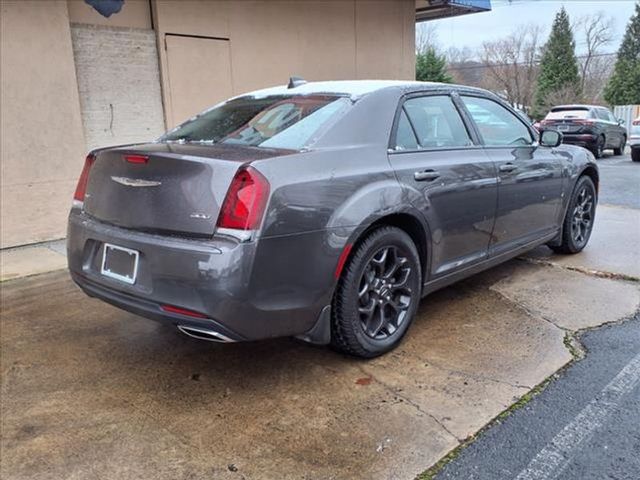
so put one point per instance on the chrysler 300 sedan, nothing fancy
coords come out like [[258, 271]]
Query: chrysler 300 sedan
[[324, 211]]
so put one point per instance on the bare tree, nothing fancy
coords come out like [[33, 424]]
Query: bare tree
[[426, 36], [597, 32], [510, 65]]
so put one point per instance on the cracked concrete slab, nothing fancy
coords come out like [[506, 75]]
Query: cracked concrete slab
[[469, 356], [613, 246], [89, 391], [568, 299]]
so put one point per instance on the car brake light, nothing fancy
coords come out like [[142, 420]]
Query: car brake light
[[586, 121], [136, 158], [244, 205], [81, 188], [635, 122]]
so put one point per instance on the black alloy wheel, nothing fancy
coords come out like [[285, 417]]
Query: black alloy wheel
[[377, 295], [583, 213], [578, 222], [384, 294]]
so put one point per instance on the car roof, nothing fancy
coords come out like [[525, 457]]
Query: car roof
[[352, 88]]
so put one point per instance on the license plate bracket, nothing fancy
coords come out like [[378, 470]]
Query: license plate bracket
[[120, 263]]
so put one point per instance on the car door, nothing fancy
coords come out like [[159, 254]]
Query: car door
[[617, 131], [529, 175], [448, 178]]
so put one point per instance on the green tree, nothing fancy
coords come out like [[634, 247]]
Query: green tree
[[558, 81], [431, 67], [624, 85]]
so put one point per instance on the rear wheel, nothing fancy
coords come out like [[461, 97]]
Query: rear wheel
[[578, 221], [620, 149], [598, 148], [377, 294]]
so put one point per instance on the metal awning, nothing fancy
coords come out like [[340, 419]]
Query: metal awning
[[435, 9]]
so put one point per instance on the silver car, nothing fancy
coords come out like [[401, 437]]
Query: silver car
[[634, 140], [323, 210]]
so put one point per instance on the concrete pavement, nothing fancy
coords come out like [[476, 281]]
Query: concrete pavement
[[89, 391]]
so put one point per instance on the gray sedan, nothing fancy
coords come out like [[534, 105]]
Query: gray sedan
[[323, 210]]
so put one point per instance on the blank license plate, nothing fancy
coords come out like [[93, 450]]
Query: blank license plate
[[563, 128], [120, 263]]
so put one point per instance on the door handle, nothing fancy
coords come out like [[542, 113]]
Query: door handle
[[507, 167], [426, 175]]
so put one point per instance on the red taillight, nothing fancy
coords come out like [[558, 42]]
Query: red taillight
[[245, 202], [136, 158], [635, 122], [81, 188], [182, 311], [586, 121]]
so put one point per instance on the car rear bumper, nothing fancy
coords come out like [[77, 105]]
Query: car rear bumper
[[586, 140], [224, 285]]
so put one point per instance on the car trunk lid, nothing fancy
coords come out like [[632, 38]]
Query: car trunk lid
[[165, 187]]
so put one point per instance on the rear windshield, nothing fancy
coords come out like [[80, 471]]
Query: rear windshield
[[561, 113], [282, 121]]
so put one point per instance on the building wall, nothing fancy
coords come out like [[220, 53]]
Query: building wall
[[205, 51], [119, 84], [41, 132], [269, 41], [134, 14]]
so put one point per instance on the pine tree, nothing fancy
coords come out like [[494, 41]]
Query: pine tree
[[558, 80], [624, 85], [431, 67]]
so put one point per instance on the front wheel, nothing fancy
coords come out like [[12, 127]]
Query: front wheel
[[620, 149], [578, 221], [598, 148], [377, 294]]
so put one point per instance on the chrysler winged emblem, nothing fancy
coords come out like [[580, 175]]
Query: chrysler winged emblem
[[135, 182]]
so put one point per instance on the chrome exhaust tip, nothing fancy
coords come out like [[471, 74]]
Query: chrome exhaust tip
[[204, 334]]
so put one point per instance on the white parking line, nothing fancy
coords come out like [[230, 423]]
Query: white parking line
[[551, 461]]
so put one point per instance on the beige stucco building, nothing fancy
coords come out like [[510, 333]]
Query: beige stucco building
[[73, 79]]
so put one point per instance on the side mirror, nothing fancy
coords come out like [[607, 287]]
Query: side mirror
[[620, 121], [550, 138]]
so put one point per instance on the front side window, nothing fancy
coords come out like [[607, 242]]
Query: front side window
[[281, 121], [497, 125], [436, 122]]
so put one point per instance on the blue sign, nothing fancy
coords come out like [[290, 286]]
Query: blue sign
[[475, 4]]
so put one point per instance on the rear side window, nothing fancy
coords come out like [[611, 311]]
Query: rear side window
[[603, 114], [436, 122], [405, 138], [282, 121], [497, 125]]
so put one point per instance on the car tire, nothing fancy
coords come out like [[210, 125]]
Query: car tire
[[578, 221], [598, 148], [620, 149], [635, 154], [377, 294]]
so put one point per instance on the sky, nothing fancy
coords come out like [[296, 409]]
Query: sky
[[472, 30]]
